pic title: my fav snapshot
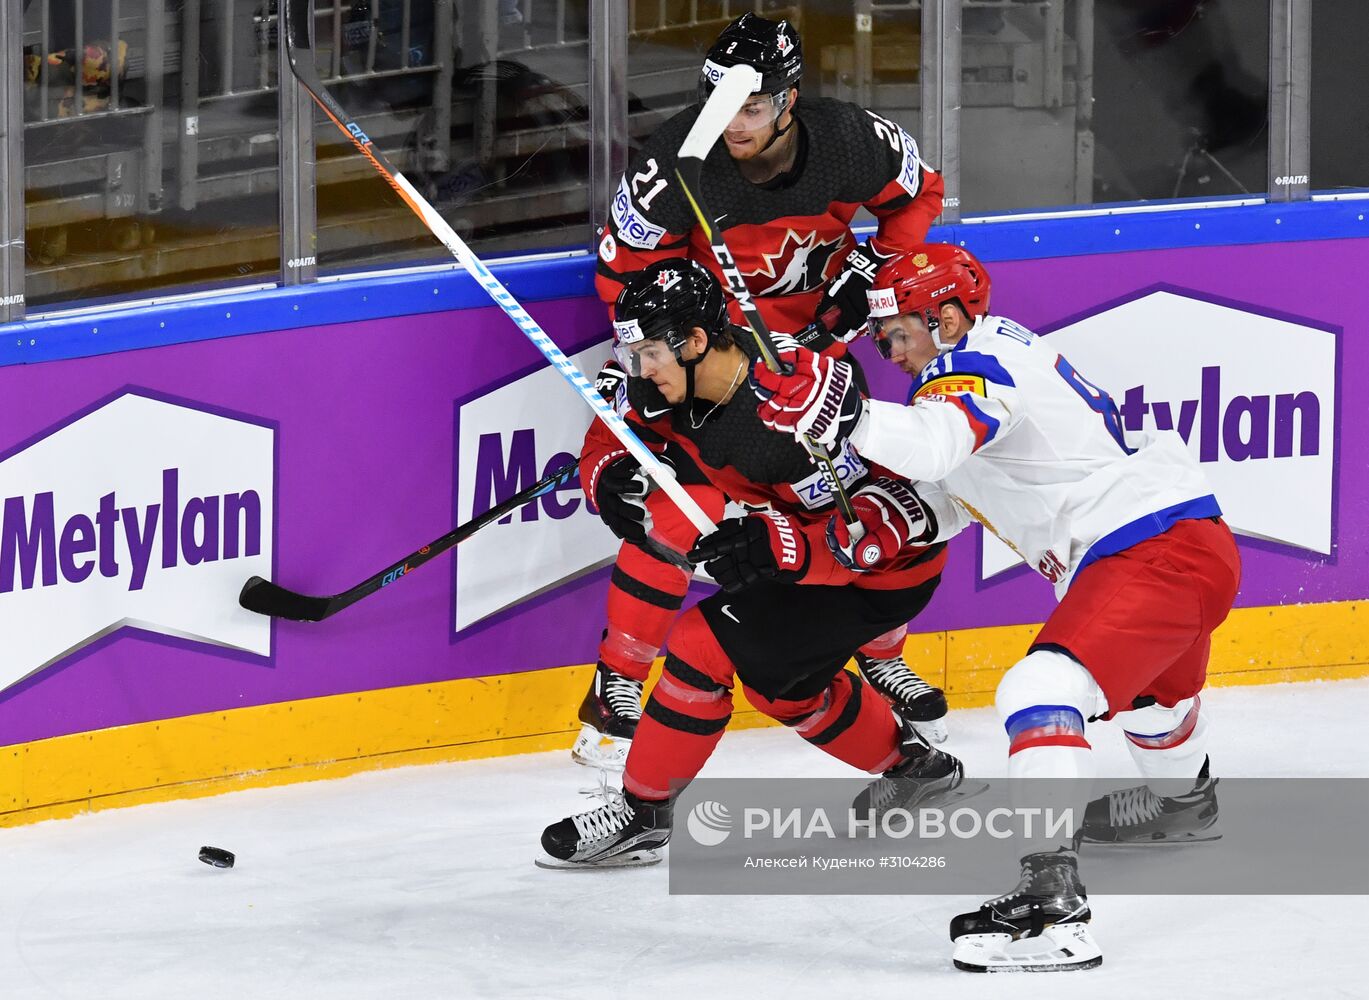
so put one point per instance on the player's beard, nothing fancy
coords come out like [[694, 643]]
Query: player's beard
[[758, 143], [748, 149]]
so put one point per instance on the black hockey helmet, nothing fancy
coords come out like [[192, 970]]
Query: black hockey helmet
[[665, 301], [773, 48]]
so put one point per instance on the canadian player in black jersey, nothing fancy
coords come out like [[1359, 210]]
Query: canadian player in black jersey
[[793, 607], [787, 178]]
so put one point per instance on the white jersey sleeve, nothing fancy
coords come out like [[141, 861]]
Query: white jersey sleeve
[[1035, 452], [966, 402], [951, 518]]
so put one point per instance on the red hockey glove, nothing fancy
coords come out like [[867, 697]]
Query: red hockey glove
[[893, 516], [814, 395], [763, 546]]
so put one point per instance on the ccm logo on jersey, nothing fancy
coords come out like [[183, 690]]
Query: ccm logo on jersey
[[632, 228], [951, 384]]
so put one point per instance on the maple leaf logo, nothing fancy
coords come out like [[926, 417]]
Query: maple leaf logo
[[800, 264]]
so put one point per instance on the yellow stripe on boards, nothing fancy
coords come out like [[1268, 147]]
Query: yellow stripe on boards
[[529, 712], [1253, 646]]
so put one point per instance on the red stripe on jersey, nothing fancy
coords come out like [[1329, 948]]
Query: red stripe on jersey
[[977, 426]]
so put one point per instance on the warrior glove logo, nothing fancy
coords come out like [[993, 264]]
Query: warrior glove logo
[[789, 545], [829, 412]]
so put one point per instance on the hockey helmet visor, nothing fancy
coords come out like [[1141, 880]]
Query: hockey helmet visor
[[919, 282], [637, 354], [657, 309]]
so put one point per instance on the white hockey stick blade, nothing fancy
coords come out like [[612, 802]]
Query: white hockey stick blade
[[737, 84]]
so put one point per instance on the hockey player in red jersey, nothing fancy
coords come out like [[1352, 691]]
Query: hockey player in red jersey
[[790, 613], [1124, 525], [787, 178]]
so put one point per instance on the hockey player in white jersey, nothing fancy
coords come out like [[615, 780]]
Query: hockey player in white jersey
[[1124, 526]]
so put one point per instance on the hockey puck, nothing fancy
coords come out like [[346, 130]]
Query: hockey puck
[[217, 857]]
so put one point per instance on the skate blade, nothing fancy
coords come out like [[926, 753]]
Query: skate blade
[[593, 749], [1059, 948], [967, 789], [628, 859], [1196, 837]]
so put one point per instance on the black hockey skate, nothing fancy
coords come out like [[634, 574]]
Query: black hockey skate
[[624, 832], [925, 777], [1041, 926], [608, 719], [1139, 816], [914, 699]]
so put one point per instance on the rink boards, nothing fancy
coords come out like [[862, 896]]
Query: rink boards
[[152, 459]]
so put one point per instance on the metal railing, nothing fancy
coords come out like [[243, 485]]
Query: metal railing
[[106, 131]]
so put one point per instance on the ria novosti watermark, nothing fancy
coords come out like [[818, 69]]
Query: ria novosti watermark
[[823, 836], [928, 823]]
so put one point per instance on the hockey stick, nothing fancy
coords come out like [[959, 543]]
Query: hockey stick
[[267, 598], [737, 84], [299, 47]]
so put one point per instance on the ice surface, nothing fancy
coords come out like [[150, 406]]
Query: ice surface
[[418, 882]]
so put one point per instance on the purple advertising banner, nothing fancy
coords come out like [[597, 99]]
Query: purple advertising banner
[[349, 435], [1317, 285]]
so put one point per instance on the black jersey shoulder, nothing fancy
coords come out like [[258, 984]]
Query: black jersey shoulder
[[850, 156], [845, 160], [648, 192], [851, 152]]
